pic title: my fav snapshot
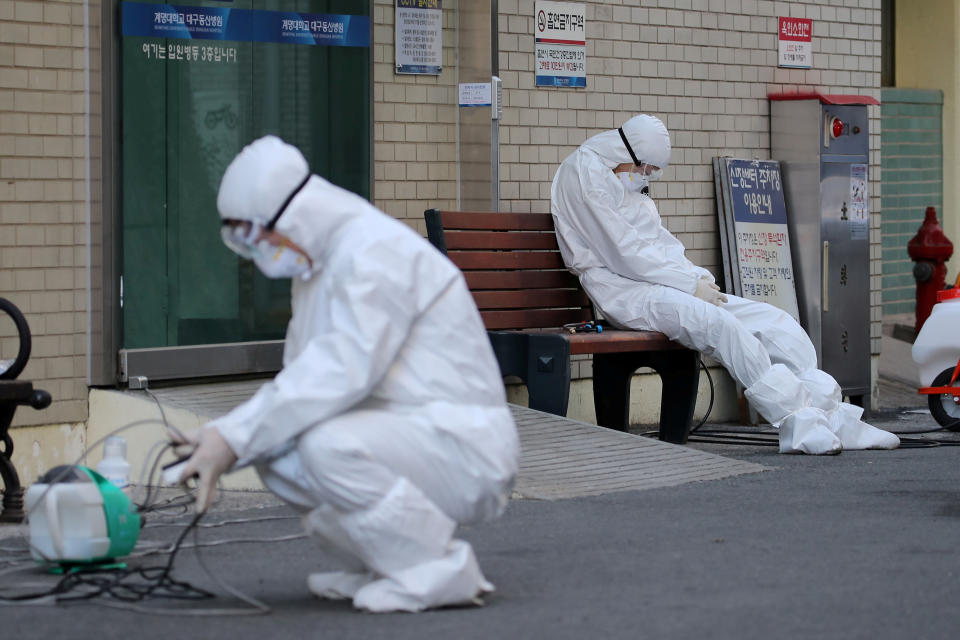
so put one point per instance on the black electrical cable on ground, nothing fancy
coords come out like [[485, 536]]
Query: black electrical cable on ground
[[122, 584], [726, 436]]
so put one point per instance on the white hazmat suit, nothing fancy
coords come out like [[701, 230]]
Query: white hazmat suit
[[636, 273], [388, 424]]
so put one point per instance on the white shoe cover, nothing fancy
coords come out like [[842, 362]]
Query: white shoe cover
[[824, 391], [777, 394], [338, 585], [454, 579], [807, 431], [856, 434]]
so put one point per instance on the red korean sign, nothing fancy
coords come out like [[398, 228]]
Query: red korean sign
[[795, 36]]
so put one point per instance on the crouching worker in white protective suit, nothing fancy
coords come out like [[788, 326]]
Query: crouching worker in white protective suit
[[635, 271], [388, 424]]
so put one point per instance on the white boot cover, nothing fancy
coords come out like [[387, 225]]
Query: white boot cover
[[338, 585], [781, 398], [407, 542], [823, 390], [335, 585], [807, 431], [777, 394], [454, 579], [856, 434]]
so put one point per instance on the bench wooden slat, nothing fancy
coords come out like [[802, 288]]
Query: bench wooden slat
[[513, 268], [506, 259], [616, 341], [540, 298], [524, 319], [501, 240], [481, 280], [496, 221]]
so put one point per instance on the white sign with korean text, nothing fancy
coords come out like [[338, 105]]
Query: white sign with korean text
[[418, 41], [474, 94], [795, 36], [560, 35]]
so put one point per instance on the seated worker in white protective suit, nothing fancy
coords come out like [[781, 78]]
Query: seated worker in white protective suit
[[388, 424], [636, 273]]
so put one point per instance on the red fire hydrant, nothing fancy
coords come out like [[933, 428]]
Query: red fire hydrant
[[930, 249]]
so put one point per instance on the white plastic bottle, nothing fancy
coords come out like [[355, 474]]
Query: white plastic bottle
[[114, 466], [70, 525]]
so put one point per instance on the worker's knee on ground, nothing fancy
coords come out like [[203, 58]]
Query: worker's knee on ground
[[823, 389]]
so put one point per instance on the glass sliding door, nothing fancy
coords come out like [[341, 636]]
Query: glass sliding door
[[191, 100]]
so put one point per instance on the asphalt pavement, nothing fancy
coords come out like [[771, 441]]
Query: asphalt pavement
[[859, 545]]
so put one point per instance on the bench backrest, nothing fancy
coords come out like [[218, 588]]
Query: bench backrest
[[513, 267]]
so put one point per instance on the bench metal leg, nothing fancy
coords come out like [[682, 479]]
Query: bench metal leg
[[612, 373], [542, 362], [679, 372], [548, 373]]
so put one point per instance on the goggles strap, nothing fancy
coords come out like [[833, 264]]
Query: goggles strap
[[273, 221], [623, 137]]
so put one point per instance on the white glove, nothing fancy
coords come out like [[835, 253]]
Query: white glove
[[211, 457], [708, 291]]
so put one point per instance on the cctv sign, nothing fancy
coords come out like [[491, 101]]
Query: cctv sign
[[560, 36], [795, 36]]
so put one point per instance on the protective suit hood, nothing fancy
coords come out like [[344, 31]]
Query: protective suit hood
[[260, 179], [268, 176], [647, 135]]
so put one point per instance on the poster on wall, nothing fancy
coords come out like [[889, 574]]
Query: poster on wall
[[795, 38], [560, 35], [859, 210], [753, 232], [418, 41]]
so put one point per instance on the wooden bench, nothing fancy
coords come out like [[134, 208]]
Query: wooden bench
[[525, 294]]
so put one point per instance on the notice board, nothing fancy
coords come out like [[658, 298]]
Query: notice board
[[753, 232]]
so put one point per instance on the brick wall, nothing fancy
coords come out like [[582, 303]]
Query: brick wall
[[705, 68], [43, 195], [414, 137]]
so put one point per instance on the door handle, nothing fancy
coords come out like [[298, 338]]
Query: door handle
[[826, 276]]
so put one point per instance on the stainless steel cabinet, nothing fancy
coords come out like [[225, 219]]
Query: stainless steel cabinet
[[822, 143]]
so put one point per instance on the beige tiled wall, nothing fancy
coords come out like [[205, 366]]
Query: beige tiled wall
[[43, 195], [415, 116], [703, 66]]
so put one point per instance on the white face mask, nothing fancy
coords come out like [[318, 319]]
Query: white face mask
[[280, 262], [632, 181]]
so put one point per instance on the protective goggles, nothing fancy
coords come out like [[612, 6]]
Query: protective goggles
[[241, 236]]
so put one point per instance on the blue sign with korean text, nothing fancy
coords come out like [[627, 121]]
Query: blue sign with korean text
[[761, 238], [756, 191], [243, 25], [175, 21], [311, 28]]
